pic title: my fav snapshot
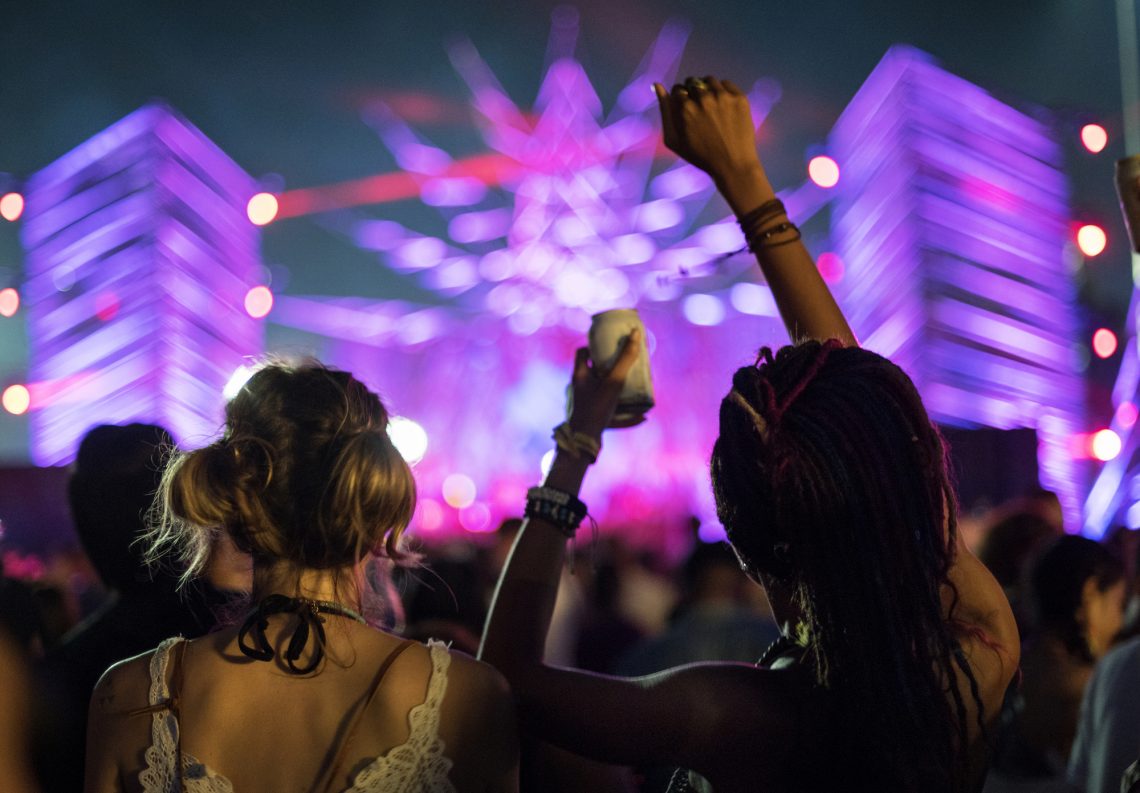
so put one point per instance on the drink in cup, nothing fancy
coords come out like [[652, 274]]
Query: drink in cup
[[608, 332]]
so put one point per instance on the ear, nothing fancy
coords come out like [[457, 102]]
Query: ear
[[1090, 593]]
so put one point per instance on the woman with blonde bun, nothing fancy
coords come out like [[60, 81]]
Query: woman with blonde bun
[[303, 694]]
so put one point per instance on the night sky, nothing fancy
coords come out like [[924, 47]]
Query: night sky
[[280, 87]]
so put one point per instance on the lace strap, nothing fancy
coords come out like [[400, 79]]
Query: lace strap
[[424, 718], [159, 692], [440, 661], [163, 758], [329, 776]]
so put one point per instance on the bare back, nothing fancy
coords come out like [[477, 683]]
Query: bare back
[[259, 728]]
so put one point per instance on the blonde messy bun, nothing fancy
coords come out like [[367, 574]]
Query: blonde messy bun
[[304, 474]]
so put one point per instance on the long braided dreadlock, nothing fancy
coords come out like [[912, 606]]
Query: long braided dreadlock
[[831, 479]]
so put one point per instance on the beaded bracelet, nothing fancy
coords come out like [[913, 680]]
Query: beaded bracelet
[[558, 508], [577, 444]]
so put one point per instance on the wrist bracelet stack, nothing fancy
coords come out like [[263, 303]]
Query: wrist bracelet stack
[[557, 507], [577, 444], [758, 231]]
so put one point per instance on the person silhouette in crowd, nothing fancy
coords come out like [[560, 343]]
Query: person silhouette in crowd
[[117, 472]]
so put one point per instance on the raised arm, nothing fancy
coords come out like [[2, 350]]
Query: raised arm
[[708, 123], [670, 718]]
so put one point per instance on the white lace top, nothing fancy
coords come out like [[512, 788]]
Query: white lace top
[[418, 764]]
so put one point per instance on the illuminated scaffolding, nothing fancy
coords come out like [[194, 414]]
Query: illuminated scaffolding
[[139, 256], [953, 222]]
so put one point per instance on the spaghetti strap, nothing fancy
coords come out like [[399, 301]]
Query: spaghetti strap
[[329, 776]]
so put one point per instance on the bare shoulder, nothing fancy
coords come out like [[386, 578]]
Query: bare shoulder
[[481, 720], [124, 686], [476, 677]]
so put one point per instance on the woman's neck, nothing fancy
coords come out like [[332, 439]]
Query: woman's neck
[[338, 585]]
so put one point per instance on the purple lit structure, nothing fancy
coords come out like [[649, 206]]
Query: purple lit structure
[[139, 255], [577, 217], [952, 219]]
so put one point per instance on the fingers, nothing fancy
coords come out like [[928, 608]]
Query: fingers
[[630, 421], [731, 87], [628, 357], [581, 364], [715, 85]]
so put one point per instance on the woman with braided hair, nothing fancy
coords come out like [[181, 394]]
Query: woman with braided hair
[[304, 694], [835, 490]]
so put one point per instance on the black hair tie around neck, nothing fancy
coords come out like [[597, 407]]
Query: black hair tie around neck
[[308, 613]]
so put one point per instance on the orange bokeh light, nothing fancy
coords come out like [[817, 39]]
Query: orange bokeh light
[[1104, 343], [1104, 445], [11, 206], [259, 302], [262, 209], [9, 302], [1091, 239], [824, 171], [16, 399], [1094, 137]]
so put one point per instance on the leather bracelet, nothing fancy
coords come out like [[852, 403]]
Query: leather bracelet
[[764, 212], [761, 240], [556, 507]]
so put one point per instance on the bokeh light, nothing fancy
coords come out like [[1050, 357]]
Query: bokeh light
[[262, 209], [1104, 445], [830, 267], [459, 491], [9, 302], [1126, 414], [703, 310], [824, 171], [429, 514], [1091, 239], [1104, 343], [1132, 517], [1094, 137], [11, 206], [476, 518], [16, 399], [409, 438], [259, 302]]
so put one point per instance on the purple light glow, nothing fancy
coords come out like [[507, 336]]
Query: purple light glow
[[139, 256], [952, 219]]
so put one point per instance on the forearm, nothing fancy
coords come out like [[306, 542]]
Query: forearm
[[524, 598], [806, 305]]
